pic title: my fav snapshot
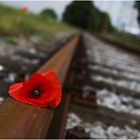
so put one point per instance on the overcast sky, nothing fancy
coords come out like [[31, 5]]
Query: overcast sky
[[122, 13]]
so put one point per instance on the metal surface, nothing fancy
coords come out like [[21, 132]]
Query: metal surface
[[19, 120]]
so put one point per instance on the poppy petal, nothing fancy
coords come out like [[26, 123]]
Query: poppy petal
[[14, 88], [46, 83], [50, 75], [56, 101]]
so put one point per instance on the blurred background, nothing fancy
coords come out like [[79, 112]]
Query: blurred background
[[123, 14], [32, 31]]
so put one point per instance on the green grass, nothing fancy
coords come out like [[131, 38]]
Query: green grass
[[10, 40], [126, 40], [15, 22]]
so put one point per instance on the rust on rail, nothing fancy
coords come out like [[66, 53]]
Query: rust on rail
[[19, 120]]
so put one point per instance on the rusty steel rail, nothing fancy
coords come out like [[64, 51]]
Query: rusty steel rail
[[19, 120]]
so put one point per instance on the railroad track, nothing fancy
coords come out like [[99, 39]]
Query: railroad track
[[100, 84], [106, 90]]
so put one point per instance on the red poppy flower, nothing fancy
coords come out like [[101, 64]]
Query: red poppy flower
[[42, 90], [24, 9]]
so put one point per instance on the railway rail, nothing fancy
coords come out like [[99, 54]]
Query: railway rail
[[18, 120], [98, 85]]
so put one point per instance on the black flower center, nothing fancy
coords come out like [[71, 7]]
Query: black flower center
[[36, 92]]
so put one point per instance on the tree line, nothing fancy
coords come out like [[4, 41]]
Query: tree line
[[84, 15]]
